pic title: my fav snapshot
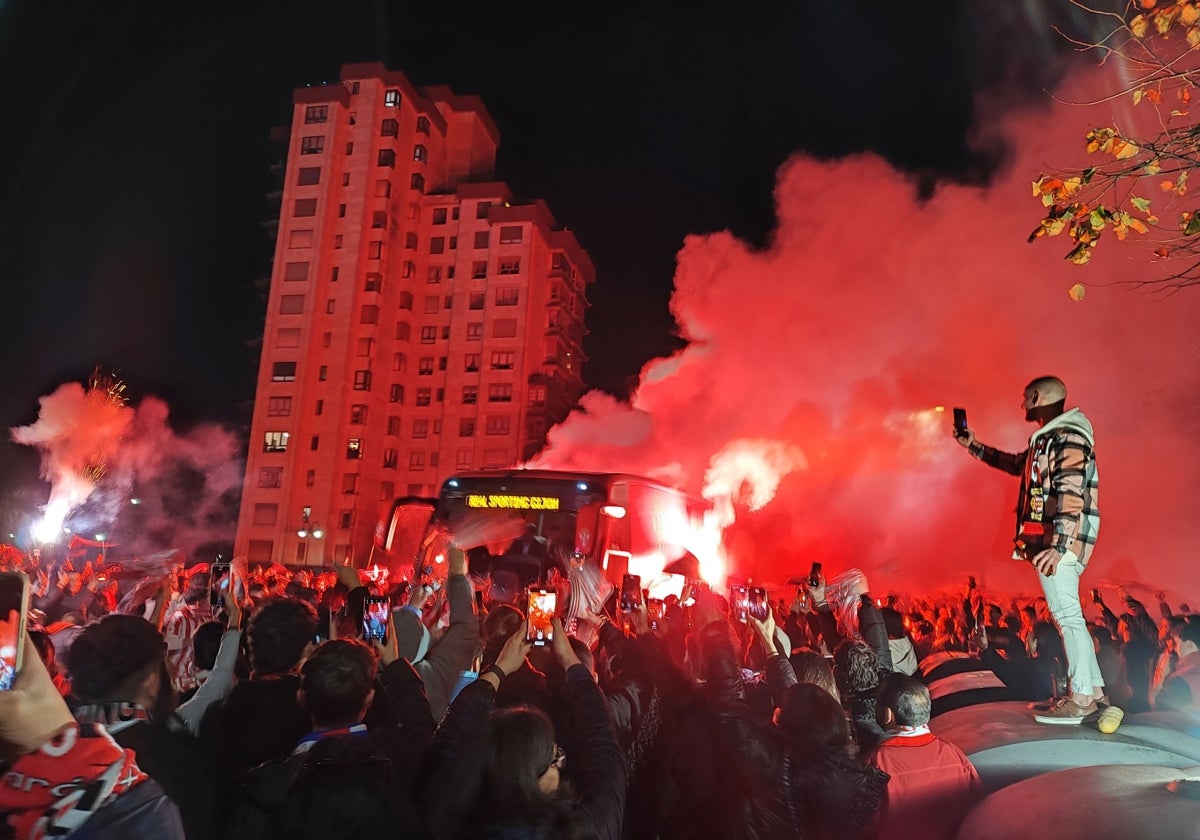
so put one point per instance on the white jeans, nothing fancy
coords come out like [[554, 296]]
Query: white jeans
[[1062, 597]]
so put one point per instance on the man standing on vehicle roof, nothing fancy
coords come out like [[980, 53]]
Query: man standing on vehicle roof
[[1057, 524]]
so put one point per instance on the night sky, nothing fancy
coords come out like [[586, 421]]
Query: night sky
[[136, 152]]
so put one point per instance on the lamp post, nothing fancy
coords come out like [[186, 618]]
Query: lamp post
[[308, 529]]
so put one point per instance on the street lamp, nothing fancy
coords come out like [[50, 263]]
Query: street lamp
[[308, 529]]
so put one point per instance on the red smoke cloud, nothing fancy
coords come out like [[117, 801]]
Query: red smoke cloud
[[871, 307], [186, 483]]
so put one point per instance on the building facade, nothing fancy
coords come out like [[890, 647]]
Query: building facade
[[420, 321]]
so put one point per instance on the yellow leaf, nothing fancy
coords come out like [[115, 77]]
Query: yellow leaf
[[1188, 14], [1139, 26], [1152, 167], [1122, 149], [1138, 226], [1076, 292], [1162, 22], [1137, 96], [1193, 37]]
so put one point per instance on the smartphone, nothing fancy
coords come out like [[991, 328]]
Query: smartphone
[[814, 575], [219, 576], [543, 604], [631, 592], [14, 606], [960, 422], [656, 609], [739, 601], [758, 606], [375, 619]]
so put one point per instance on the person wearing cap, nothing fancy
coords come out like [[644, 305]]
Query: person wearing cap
[[1057, 524]]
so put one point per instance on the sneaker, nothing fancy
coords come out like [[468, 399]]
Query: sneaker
[[1067, 712]]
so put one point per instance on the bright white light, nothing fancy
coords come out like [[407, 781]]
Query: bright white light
[[135, 501], [614, 511], [441, 558], [51, 524], [317, 533], [452, 482], [582, 486], [100, 538], [301, 533]]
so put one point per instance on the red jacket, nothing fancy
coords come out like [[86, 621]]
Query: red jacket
[[932, 786]]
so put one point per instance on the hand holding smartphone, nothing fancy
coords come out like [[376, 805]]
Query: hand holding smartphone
[[219, 577], [960, 422], [656, 610], [375, 619], [739, 601], [543, 604], [758, 606], [631, 592], [14, 608]]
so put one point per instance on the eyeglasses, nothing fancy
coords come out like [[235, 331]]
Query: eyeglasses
[[560, 758]]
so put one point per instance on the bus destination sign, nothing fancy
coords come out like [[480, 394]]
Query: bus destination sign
[[505, 502]]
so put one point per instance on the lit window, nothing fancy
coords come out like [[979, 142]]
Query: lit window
[[275, 442], [354, 448], [362, 380], [420, 153], [391, 98]]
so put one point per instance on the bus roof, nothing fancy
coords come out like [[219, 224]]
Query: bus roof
[[605, 479]]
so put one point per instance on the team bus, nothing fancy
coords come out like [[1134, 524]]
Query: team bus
[[617, 522]]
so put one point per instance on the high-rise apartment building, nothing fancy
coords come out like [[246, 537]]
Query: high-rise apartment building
[[420, 320]]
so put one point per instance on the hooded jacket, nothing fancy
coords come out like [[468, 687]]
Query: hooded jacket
[[440, 663], [1057, 504]]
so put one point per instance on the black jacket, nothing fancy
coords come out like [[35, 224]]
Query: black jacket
[[452, 777], [403, 741], [144, 811]]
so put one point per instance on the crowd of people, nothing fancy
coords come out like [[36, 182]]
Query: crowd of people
[[269, 716]]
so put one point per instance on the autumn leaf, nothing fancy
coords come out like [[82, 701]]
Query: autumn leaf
[[1185, 95], [1137, 225], [1137, 96], [1076, 292], [1188, 14], [1142, 204], [1147, 4], [1139, 26], [1081, 254], [1122, 149], [1162, 253], [1154, 96], [1151, 168], [1190, 224], [1193, 37], [1162, 20]]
